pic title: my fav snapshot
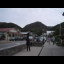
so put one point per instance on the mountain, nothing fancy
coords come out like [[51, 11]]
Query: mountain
[[50, 28], [57, 29], [36, 27], [9, 25]]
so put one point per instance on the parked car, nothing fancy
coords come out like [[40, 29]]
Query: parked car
[[41, 39], [31, 38], [12, 39]]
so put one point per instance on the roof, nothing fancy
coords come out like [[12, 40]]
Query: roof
[[10, 30], [6, 29], [24, 32]]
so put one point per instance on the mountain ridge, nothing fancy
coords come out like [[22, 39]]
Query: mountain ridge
[[36, 27], [9, 25]]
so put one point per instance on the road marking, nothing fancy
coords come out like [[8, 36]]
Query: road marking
[[40, 51]]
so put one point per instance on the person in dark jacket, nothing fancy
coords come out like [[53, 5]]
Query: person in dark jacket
[[28, 42]]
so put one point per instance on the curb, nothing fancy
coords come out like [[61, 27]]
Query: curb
[[40, 51]]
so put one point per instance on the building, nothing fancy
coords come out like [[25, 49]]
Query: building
[[24, 34], [9, 33], [31, 35], [50, 32]]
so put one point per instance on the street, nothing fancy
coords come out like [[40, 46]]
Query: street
[[52, 50], [48, 49], [9, 45]]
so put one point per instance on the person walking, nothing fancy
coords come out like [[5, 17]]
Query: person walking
[[43, 40], [53, 40], [28, 43], [49, 40]]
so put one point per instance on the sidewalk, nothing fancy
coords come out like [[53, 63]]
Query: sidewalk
[[52, 50], [34, 52]]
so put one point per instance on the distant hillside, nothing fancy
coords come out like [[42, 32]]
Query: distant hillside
[[57, 29], [36, 27], [50, 28], [9, 25]]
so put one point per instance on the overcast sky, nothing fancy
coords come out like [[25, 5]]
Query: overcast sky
[[24, 16]]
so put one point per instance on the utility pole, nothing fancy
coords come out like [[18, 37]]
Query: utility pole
[[60, 32]]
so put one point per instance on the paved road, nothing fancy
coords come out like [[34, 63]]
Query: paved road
[[9, 45], [52, 50], [34, 52]]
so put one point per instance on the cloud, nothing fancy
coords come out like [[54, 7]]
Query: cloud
[[24, 16]]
